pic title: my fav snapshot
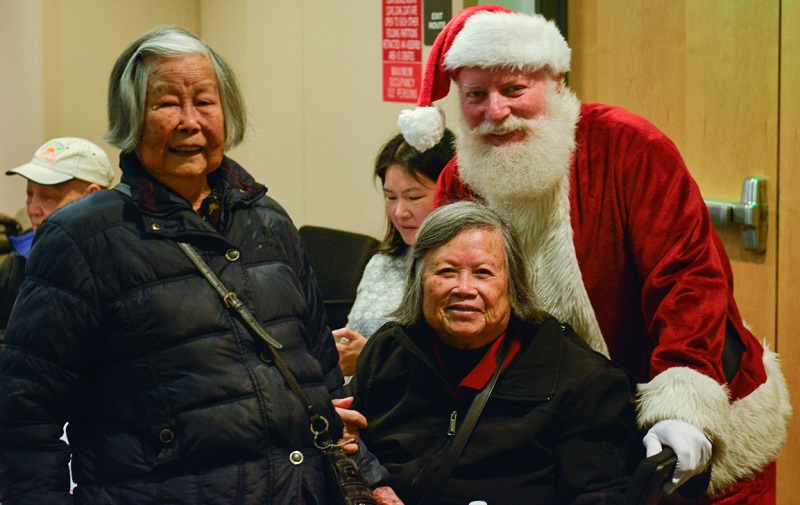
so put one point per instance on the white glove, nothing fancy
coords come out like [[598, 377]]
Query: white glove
[[690, 445]]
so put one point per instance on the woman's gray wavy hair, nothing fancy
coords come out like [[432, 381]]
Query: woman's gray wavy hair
[[127, 85], [440, 227]]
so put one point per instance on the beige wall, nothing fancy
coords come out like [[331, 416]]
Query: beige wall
[[310, 70], [56, 56], [21, 97]]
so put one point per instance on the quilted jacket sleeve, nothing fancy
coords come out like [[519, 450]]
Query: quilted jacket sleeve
[[48, 347]]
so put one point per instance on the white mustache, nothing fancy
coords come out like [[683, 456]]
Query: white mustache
[[509, 125]]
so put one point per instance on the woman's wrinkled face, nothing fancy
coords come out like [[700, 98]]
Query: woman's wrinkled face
[[465, 289], [408, 200], [184, 129]]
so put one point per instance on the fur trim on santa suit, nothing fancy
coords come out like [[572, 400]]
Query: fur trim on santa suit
[[534, 194], [546, 235], [747, 434]]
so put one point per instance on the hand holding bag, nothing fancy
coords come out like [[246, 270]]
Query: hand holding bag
[[344, 482]]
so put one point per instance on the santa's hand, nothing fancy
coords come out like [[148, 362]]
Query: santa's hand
[[691, 447]]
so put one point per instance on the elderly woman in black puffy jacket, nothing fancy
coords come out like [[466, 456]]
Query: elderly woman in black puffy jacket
[[168, 396]]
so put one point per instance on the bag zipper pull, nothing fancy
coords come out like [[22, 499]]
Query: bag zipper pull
[[452, 430]]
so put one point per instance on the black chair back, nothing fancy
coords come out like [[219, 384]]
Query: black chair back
[[338, 259], [9, 227]]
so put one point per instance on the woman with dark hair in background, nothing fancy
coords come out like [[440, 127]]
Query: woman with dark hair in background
[[408, 178]]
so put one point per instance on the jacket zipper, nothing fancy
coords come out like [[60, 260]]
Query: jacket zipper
[[451, 431]]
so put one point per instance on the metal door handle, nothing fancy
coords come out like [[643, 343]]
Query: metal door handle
[[750, 214]]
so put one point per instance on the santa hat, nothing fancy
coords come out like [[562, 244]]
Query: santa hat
[[488, 36]]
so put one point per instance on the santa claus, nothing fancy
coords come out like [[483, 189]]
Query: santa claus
[[619, 241]]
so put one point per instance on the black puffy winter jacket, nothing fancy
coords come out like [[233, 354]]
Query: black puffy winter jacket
[[166, 396]]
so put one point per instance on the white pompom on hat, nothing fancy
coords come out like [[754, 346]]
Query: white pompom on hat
[[487, 36]]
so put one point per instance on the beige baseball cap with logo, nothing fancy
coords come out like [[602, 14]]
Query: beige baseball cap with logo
[[63, 159]]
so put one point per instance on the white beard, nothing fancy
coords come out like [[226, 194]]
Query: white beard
[[525, 169], [528, 182]]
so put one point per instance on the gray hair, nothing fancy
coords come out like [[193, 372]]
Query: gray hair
[[127, 86], [440, 227]]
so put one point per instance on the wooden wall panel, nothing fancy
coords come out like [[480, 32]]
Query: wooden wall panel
[[717, 76], [706, 73], [789, 241]]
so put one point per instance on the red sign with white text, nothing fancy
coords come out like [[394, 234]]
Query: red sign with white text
[[402, 50], [401, 82]]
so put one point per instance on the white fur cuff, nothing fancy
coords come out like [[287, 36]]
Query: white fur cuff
[[685, 394], [746, 435]]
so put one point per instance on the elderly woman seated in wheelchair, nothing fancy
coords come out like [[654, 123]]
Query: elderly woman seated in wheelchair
[[472, 393]]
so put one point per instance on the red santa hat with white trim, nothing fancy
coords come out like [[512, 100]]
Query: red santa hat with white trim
[[487, 36]]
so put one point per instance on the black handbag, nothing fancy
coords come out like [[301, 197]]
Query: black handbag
[[343, 480]]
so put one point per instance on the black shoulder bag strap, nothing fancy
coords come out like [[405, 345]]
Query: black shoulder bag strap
[[319, 424], [434, 487]]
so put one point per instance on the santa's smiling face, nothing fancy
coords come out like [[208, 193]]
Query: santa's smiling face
[[494, 98], [517, 132]]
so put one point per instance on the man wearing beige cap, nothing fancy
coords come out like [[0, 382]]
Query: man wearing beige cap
[[61, 171]]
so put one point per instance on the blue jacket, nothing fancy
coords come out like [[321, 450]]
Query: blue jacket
[[165, 392]]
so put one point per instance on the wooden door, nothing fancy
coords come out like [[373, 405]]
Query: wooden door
[[708, 74], [789, 241]]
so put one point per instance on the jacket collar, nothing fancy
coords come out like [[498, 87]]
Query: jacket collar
[[167, 214], [532, 369], [152, 197], [483, 371]]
